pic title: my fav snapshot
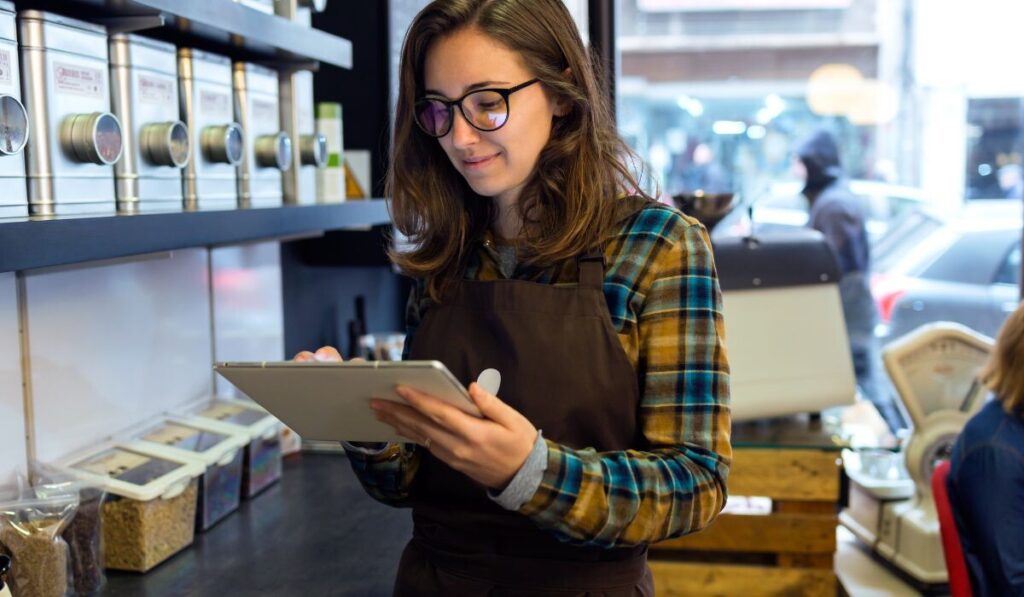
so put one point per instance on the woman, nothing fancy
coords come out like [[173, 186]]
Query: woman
[[986, 475], [601, 310]]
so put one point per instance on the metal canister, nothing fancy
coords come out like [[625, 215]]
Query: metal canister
[[299, 122], [218, 141], [268, 150], [297, 117], [14, 128], [144, 76], [75, 138]]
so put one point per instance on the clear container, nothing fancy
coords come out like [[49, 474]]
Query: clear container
[[262, 461], [149, 513], [219, 450]]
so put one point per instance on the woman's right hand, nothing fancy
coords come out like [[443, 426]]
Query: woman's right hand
[[324, 353]]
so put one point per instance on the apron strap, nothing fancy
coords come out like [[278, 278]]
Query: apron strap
[[591, 270]]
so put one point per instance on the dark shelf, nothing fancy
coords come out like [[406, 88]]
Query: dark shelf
[[28, 244], [217, 25]]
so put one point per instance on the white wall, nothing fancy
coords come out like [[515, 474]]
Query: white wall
[[12, 420], [248, 313], [113, 345]]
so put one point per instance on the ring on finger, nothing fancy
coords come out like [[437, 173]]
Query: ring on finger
[[426, 443]]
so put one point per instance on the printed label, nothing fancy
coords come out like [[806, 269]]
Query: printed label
[[222, 411], [79, 80], [263, 111], [154, 90], [6, 70], [213, 103], [171, 435], [113, 463]]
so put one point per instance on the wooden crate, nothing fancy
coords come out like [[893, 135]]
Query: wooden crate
[[788, 551]]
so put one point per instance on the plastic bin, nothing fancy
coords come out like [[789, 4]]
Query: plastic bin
[[262, 461], [149, 513], [221, 452]]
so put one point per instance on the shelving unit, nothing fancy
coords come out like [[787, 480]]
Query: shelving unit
[[218, 25], [29, 244]]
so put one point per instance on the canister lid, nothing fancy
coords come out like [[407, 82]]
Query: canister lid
[[127, 40], [195, 54], [49, 17], [133, 471], [249, 416], [209, 443]]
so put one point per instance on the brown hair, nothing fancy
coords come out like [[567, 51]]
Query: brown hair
[[567, 205], [1004, 373]]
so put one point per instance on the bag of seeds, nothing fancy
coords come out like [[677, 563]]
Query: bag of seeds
[[30, 529], [84, 533]]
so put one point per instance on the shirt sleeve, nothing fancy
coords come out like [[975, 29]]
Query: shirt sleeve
[[387, 474], [675, 484], [990, 493]]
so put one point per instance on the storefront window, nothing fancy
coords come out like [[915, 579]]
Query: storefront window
[[716, 95]]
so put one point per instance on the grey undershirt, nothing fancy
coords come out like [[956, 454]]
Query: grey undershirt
[[520, 489]]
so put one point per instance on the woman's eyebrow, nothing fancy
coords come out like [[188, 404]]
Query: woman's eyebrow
[[468, 88]]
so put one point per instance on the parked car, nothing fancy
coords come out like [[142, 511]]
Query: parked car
[[783, 208], [963, 267]]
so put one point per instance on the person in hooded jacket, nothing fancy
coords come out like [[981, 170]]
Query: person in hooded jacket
[[836, 213]]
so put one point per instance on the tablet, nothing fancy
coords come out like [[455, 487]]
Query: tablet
[[331, 400]]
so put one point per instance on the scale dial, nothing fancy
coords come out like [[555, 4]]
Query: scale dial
[[935, 369]]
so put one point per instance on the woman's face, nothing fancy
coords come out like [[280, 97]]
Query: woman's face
[[496, 163]]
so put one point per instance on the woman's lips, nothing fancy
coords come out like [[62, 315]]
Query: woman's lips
[[478, 163]]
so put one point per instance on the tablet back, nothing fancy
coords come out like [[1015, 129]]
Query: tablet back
[[330, 401]]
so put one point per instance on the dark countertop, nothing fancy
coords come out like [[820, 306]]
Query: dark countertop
[[316, 532]]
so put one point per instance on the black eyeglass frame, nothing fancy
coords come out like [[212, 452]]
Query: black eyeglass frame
[[450, 104]]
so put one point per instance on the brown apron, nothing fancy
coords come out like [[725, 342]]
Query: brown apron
[[563, 367]]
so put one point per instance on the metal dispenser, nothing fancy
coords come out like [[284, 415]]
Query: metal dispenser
[[13, 121], [75, 138], [144, 75], [268, 150], [206, 103]]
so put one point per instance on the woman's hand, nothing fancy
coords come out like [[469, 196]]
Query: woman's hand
[[489, 449], [324, 353]]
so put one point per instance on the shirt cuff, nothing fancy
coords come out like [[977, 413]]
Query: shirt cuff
[[526, 481]]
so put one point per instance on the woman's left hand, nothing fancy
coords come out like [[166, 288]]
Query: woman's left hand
[[489, 449]]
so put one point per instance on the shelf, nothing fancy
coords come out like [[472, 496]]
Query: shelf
[[218, 25], [27, 244]]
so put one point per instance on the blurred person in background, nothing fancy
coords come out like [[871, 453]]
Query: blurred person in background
[[986, 476], [835, 212], [1011, 181]]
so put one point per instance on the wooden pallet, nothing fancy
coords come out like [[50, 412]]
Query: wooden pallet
[[788, 551]]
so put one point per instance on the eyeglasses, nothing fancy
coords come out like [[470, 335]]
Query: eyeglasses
[[484, 109]]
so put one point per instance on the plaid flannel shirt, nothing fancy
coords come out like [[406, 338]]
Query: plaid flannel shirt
[[665, 303]]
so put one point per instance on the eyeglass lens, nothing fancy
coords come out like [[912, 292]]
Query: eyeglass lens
[[486, 110]]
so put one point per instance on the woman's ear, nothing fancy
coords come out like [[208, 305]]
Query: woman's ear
[[562, 105]]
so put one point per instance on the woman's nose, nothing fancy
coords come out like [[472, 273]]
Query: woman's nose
[[463, 134]]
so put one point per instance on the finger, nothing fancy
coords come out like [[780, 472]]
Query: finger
[[491, 407], [303, 356], [327, 353], [441, 413], [418, 430]]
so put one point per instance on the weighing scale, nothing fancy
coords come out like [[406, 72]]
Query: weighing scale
[[891, 509]]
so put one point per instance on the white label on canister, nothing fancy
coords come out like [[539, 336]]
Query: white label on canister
[[171, 434], [79, 80], [213, 103], [6, 75], [155, 90], [221, 411], [113, 462], [264, 111]]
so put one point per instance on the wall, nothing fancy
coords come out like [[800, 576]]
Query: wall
[[12, 420], [111, 345]]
